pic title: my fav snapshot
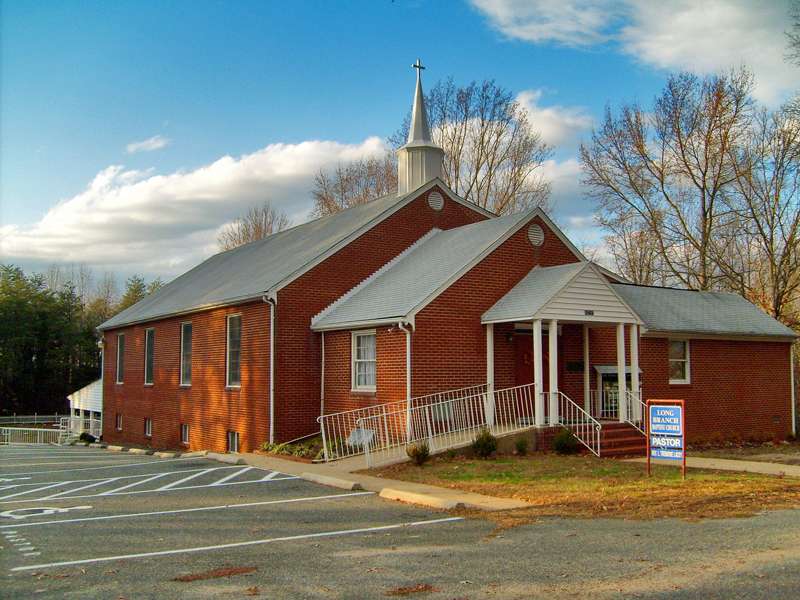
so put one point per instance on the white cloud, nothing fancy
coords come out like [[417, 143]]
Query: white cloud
[[152, 143], [162, 224], [702, 37], [559, 125]]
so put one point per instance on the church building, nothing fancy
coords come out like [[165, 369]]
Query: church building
[[352, 324]]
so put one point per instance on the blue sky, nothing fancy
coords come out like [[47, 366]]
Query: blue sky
[[242, 101]]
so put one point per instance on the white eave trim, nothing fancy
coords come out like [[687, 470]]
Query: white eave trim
[[354, 325]]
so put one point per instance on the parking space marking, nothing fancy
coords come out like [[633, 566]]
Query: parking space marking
[[179, 481], [288, 538], [92, 461], [39, 489], [135, 483], [78, 489], [189, 510], [155, 461], [235, 474]]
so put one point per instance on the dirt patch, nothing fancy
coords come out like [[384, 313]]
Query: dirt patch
[[420, 588], [215, 574], [589, 487]]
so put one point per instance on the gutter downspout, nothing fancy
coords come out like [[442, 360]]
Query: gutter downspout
[[407, 331], [791, 380], [272, 300], [322, 379]]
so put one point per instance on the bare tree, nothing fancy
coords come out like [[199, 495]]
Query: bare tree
[[258, 223], [634, 249], [762, 261], [493, 154], [672, 167], [355, 183]]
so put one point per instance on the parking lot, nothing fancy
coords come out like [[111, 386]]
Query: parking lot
[[112, 517], [88, 523]]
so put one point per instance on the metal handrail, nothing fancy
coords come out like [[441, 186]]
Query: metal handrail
[[585, 427], [634, 401], [342, 436]]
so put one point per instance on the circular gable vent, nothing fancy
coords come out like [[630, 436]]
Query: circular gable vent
[[536, 235], [435, 201]]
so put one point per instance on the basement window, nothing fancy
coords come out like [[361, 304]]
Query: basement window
[[363, 361], [184, 433], [148, 427], [679, 362], [118, 422], [233, 441]]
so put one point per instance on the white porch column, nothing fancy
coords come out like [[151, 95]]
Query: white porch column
[[621, 385], [552, 339], [587, 397], [538, 386], [637, 407], [488, 406]]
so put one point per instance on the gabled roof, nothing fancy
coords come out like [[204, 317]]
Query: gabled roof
[[706, 313], [405, 285], [576, 291], [264, 266]]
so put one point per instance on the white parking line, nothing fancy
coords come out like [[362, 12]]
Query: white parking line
[[174, 489], [234, 474], [189, 510], [78, 489], [155, 461], [39, 489], [93, 461], [134, 484], [179, 481], [288, 538], [125, 476]]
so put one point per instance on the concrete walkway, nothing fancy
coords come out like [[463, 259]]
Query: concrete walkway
[[727, 464], [338, 475]]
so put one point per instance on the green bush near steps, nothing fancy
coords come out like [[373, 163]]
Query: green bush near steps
[[419, 453], [565, 442], [485, 444]]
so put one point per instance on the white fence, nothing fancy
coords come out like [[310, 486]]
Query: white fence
[[29, 435], [78, 425], [30, 419], [342, 436]]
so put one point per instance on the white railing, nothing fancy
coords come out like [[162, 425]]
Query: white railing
[[342, 436], [33, 419], [29, 435], [604, 404], [584, 426], [74, 426], [637, 410], [447, 424]]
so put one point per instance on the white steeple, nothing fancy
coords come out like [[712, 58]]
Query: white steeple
[[420, 160]]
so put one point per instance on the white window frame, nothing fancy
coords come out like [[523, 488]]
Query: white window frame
[[185, 434], [118, 422], [148, 427], [120, 375], [153, 367], [233, 436], [688, 379], [183, 382], [353, 360], [228, 383]]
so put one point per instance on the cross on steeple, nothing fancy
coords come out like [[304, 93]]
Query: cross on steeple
[[418, 65]]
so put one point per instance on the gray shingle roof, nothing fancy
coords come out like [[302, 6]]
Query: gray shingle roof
[[686, 311], [250, 270], [397, 289], [531, 293]]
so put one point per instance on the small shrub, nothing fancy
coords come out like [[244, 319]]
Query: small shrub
[[419, 453], [485, 444], [565, 442], [87, 437], [521, 446], [451, 454]]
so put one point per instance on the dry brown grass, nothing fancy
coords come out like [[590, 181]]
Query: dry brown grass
[[215, 574], [588, 487]]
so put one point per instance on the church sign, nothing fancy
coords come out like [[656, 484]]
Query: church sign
[[666, 432]]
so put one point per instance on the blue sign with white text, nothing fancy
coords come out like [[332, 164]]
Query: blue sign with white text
[[666, 432]]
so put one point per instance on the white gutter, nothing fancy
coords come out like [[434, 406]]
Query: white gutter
[[791, 380], [272, 300], [402, 326]]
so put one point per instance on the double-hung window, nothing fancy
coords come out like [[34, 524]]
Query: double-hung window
[[186, 354], [363, 361], [234, 360], [149, 349], [679, 361], [120, 358]]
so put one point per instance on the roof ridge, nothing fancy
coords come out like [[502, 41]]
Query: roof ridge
[[369, 279]]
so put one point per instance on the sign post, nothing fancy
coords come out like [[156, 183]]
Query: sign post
[[666, 432]]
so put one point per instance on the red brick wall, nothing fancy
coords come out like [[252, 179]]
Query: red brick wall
[[449, 344], [297, 347], [207, 406], [391, 375]]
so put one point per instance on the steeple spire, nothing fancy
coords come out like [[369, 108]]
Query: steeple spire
[[420, 160], [419, 131]]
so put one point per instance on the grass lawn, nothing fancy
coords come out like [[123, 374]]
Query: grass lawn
[[584, 486]]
